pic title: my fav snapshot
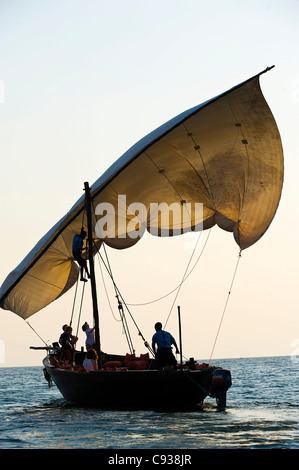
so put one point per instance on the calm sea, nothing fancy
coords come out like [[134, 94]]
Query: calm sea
[[262, 413]]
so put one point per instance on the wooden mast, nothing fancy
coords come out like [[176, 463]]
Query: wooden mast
[[92, 273], [180, 337]]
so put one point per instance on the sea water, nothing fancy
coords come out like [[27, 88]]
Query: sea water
[[262, 413]]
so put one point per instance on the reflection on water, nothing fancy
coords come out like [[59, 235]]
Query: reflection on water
[[262, 412]]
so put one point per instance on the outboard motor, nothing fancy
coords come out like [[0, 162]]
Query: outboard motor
[[221, 381]]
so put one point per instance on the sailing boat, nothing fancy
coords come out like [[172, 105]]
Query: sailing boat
[[224, 154]]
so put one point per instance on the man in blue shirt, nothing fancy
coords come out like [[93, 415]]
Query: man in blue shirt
[[164, 355], [77, 253]]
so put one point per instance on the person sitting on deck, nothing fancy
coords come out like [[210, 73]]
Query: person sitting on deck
[[91, 360], [164, 355], [77, 248]]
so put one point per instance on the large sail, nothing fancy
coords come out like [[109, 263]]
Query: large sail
[[225, 153]]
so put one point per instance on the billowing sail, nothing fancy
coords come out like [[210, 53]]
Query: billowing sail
[[225, 154]]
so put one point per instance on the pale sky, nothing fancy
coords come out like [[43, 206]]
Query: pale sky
[[80, 82]]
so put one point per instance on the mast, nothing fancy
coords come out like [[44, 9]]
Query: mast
[[92, 273], [180, 337]]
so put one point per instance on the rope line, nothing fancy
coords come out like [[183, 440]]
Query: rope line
[[184, 278], [37, 334], [120, 295], [81, 303], [106, 291], [74, 302], [120, 308], [117, 292], [227, 299]]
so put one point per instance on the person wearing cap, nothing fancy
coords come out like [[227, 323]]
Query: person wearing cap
[[77, 248], [164, 355]]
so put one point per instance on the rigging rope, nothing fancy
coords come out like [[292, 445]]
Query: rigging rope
[[76, 290], [120, 308], [185, 277], [185, 273], [71, 320], [81, 303], [74, 303], [105, 288], [228, 296], [122, 318], [37, 334], [117, 292], [125, 325], [120, 295]]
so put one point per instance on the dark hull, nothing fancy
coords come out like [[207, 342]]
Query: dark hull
[[131, 389]]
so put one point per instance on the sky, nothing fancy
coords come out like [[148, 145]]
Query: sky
[[80, 82]]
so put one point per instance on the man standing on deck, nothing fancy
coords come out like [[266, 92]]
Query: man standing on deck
[[77, 253], [164, 355]]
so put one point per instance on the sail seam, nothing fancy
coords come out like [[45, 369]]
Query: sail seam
[[67, 221]]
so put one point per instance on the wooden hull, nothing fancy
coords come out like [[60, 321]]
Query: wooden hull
[[131, 389]]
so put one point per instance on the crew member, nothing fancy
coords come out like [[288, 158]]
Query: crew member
[[164, 355], [77, 253]]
